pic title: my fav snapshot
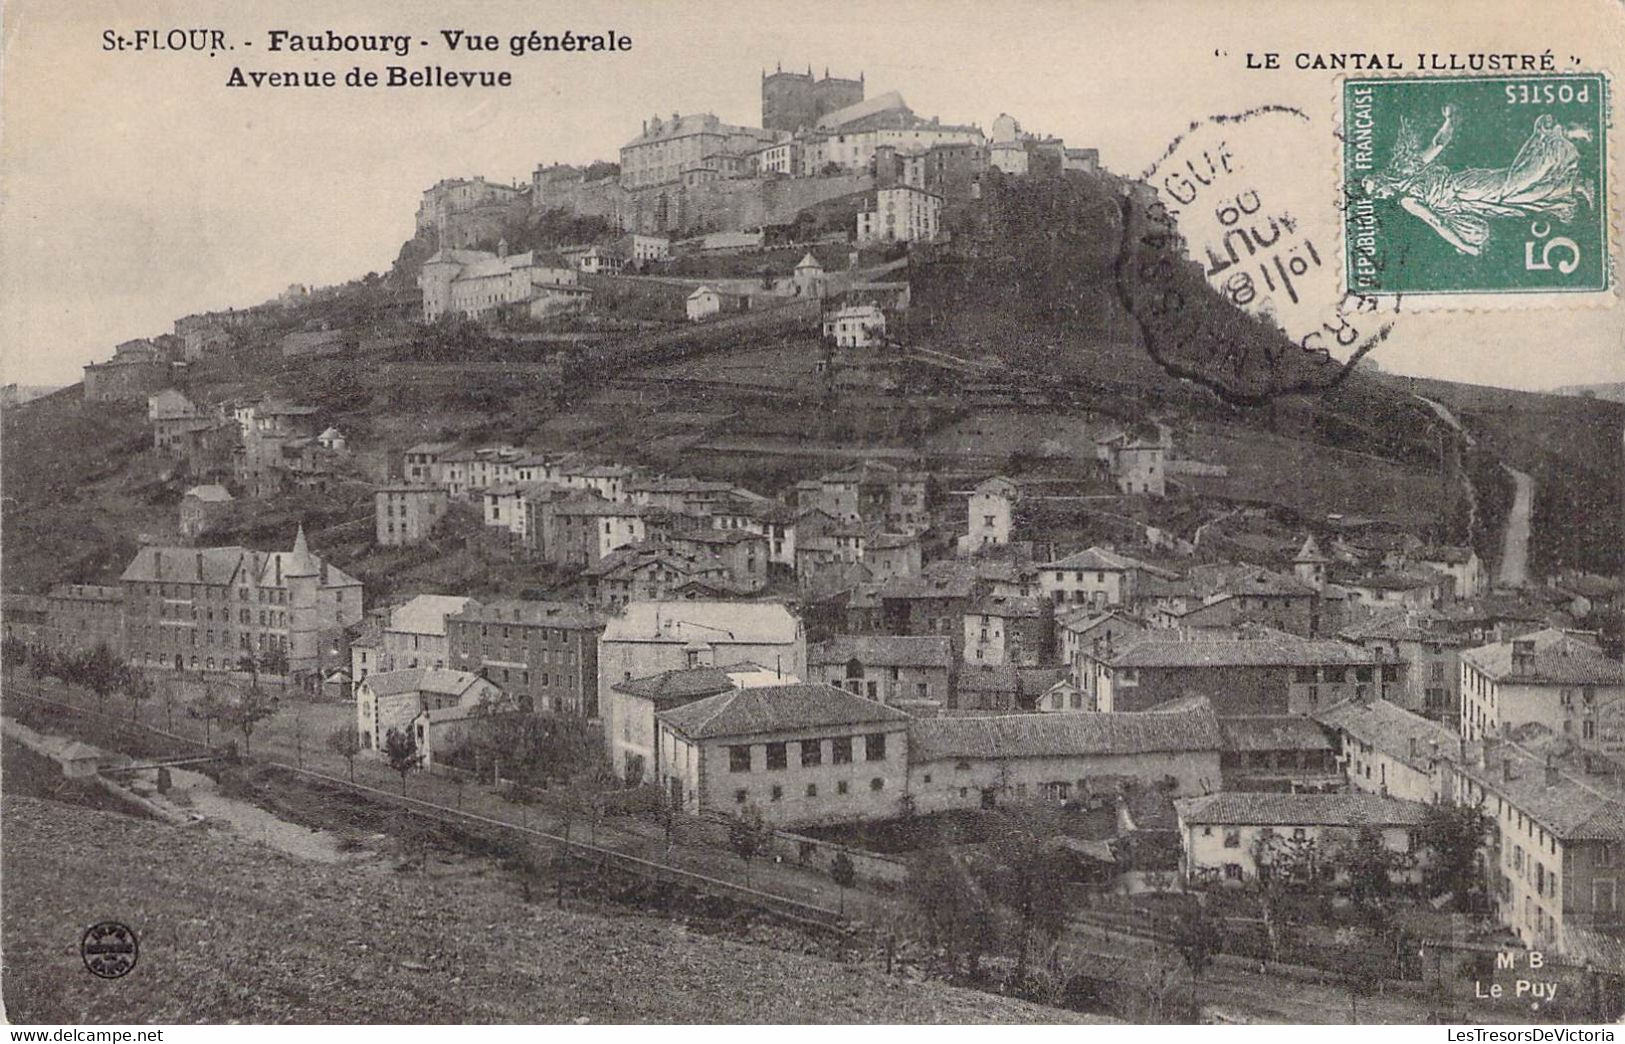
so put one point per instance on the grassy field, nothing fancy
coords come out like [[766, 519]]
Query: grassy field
[[233, 932]]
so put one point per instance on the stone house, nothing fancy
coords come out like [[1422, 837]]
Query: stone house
[[395, 699], [886, 668]]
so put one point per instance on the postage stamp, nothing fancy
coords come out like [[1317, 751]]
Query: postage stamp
[[1494, 185]]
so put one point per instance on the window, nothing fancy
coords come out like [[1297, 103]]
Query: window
[[877, 784], [1232, 838], [840, 749], [1299, 833], [778, 792], [739, 797], [739, 760], [1232, 871], [874, 747], [777, 756], [840, 787], [812, 753]]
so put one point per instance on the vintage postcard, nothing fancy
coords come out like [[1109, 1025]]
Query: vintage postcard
[[648, 513]]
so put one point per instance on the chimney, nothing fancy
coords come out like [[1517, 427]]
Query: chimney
[[200, 567], [1523, 654], [158, 562], [1552, 775], [1506, 768], [1413, 748], [1486, 748]]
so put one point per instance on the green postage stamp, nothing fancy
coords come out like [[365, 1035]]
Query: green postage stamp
[[1493, 185]]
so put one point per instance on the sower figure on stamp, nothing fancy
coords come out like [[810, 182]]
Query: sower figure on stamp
[[1543, 178]]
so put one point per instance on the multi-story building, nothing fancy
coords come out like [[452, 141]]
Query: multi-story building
[[1461, 564], [418, 463], [647, 638], [452, 196], [990, 514], [1235, 837], [202, 507], [476, 283], [415, 635], [1097, 632], [136, 370], [630, 708], [1274, 673], [82, 616], [1549, 677], [901, 214], [983, 762], [406, 515], [887, 668], [1386, 749], [651, 571], [793, 101], [205, 609], [855, 326], [1095, 577], [1557, 859], [1002, 629], [544, 654], [393, 700], [1430, 651], [665, 149], [873, 492], [580, 530], [800, 754]]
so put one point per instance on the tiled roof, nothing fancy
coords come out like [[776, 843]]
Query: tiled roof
[[210, 494], [595, 507], [1281, 650], [883, 650], [1575, 806], [646, 553], [1241, 808], [1402, 625], [184, 565], [426, 614], [1070, 734], [674, 688], [1558, 659], [777, 708], [564, 615], [1443, 553], [1391, 729], [1392, 581], [1082, 621], [1274, 732], [1009, 606], [422, 679], [682, 621], [1096, 558]]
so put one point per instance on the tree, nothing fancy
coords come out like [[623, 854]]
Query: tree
[[749, 836], [13, 651], [952, 906], [100, 671], [1196, 936], [247, 711], [138, 689], [844, 875], [1368, 863], [345, 741], [208, 710], [274, 661], [1026, 878], [401, 751], [1454, 836]]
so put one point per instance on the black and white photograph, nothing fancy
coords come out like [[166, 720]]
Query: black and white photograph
[[809, 512]]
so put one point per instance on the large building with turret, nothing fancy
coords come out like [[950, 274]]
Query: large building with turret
[[205, 609]]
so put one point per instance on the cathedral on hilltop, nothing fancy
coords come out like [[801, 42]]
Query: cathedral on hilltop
[[793, 101]]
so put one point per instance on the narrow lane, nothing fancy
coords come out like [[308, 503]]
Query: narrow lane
[[1515, 540]]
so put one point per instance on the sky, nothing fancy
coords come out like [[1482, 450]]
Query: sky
[[138, 187]]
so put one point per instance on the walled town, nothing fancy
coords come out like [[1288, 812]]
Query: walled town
[[721, 495]]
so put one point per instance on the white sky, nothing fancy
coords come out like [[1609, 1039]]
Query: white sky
[[136, 187]]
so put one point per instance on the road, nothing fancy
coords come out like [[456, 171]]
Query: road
[[1515, 541]]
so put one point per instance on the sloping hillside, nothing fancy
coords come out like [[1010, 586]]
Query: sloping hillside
[[233, 932]]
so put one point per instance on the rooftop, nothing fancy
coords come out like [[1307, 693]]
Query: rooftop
[[426, 614], [1065, 735], [1392, 730], [422, 679], [1275, 650], [883, 650], [1274, 732], [566, 615], [744, 623], [777, 708], [1556, 659], [1239, 808]]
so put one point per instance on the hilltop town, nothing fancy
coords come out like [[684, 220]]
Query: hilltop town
[[798, 497]]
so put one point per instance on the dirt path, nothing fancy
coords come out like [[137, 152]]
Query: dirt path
[[1515, 540]]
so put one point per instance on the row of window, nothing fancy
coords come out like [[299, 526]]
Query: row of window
[[811, 753], [776, 792]]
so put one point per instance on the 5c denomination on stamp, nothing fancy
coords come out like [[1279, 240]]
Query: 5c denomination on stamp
[[1475, 185]]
